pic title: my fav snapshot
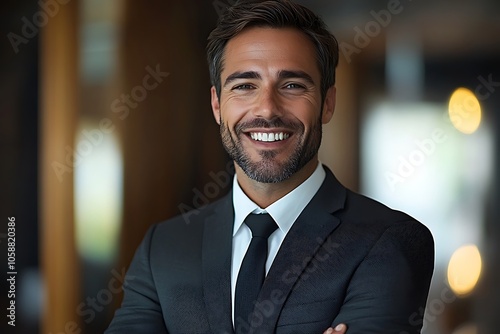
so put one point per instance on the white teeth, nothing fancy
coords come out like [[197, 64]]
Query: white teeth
[[269, 137]]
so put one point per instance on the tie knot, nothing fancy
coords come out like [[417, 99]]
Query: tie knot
[[261, 225]]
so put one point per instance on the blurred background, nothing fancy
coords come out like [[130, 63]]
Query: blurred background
[[106, 128]]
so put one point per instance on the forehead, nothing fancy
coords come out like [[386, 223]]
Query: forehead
[[263, 48]]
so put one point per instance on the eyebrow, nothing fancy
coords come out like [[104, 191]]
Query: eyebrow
[[287, 74], [283, 74], [242, 75]]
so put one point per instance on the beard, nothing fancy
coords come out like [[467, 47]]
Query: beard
[[268, 170]]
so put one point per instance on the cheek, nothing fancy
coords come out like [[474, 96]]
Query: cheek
[[307, 113], [233, 111]]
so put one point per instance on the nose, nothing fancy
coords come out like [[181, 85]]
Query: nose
[[268, 104]]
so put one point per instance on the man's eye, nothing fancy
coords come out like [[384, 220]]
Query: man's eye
[[293, 86], [243, 87]]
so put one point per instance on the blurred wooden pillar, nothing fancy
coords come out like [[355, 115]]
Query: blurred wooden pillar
[[170, 139], [58, 87], [340, 146]]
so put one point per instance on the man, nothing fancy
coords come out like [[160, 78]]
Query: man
[[330, 256]]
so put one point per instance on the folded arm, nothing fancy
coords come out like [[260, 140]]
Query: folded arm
[[389, 289]]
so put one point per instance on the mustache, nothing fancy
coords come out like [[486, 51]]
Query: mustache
[[268, 124]]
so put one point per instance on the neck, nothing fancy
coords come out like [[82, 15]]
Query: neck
[[265, 194]]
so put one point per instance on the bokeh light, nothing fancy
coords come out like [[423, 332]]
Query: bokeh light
[[98, 194], [465, 111], [464, 269]]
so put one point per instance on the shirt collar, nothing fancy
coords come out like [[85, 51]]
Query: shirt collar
[[285, 210]]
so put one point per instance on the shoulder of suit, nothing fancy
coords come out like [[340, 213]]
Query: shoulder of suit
[[362, 209], [365, 216]]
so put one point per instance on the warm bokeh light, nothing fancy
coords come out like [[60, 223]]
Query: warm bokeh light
[[464, 269], [465, 111]]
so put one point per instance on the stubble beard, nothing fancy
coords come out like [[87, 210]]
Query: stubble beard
[[267, 169]]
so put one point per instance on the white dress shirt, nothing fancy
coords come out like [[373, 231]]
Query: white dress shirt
[[284, 212]]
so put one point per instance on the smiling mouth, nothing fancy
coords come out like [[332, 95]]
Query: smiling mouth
[[269, 137]]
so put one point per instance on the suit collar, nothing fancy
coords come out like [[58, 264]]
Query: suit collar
[[308, 234], [331, 195]]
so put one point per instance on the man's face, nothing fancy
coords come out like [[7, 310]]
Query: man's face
[[270, 109]]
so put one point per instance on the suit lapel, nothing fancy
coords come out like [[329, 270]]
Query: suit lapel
[[304, 239], [216, 263]]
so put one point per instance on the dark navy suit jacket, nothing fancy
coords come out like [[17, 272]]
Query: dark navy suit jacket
[[347, 258]]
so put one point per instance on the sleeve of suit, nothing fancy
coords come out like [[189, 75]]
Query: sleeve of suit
[[388, 291], [140, 311]]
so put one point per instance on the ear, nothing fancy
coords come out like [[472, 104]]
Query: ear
[[215, 104], [329, 104]]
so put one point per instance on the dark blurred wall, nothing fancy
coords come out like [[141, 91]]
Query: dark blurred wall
[[18, 155]]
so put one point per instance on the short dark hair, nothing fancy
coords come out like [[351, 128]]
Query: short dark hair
[[274, 14]]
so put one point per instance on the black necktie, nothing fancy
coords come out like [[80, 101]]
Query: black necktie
[[253, 268]]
